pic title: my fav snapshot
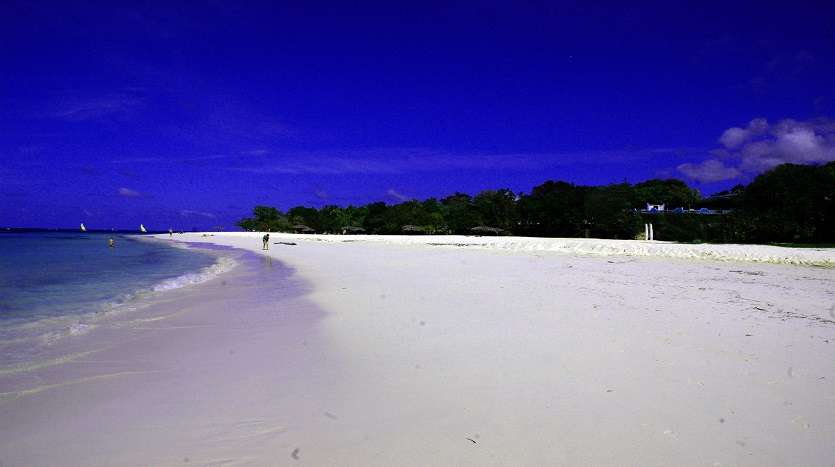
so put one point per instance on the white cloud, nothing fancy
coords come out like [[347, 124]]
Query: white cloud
[[710, 170], [190, 213], [735, 136], [397, 195], [128, 193], [790, 141], [81, 109], [760, 146]]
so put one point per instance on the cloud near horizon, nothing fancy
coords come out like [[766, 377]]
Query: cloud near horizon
[[759, 146], [128, 193], [190, 213], [397, 195], [710, 170], [77, 109]]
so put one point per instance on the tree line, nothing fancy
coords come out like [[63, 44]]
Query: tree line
[[790, 203]]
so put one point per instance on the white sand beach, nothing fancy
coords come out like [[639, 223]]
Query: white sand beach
[[436, 351]]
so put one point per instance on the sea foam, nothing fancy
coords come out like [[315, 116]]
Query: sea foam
[[25, 340]]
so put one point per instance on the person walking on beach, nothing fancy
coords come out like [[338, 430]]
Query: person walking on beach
[[266, 240], [170, 232], [111, 243]]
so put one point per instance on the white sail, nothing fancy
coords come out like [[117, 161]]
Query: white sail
[[142, 228], [83, 229]]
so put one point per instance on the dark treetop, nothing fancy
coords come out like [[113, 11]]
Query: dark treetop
[[788, 204]]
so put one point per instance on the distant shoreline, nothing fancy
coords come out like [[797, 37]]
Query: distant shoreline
[[360, 236], [76, 230], [749, 253]]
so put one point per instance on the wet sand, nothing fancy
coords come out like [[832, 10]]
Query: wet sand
[[189, 380]]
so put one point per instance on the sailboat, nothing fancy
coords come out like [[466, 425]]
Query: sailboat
[[142, 228], [83, 229]]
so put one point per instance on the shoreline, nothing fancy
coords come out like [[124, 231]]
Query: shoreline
[[52, 329], [78, 409], [726, 252], [361, 353]]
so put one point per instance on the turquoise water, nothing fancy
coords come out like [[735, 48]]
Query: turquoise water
[[50, 283]]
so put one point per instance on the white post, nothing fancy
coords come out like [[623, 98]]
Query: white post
[[651, 235], [646, 231]]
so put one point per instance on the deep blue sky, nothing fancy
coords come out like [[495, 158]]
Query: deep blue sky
[[188, 115]]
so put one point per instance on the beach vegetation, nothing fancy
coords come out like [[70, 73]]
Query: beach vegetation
[[789, 204]]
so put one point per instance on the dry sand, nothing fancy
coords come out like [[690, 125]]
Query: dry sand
[[394, 351]]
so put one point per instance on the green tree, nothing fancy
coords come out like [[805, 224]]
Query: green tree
[[356, 215], [301, 215], [553, 209], [791, 203], [332, 219], [265, 218], [497, 208], [375, 218], [608, 212], [406, 213], [673, 193], [434, 217], [460, 215]]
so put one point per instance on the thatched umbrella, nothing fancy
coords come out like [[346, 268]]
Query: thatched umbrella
[[301, 228], [484, 230]]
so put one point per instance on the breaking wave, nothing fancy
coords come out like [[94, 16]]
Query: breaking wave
[[24, 340]]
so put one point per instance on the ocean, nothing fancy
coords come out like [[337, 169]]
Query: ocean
[[55, 285]]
